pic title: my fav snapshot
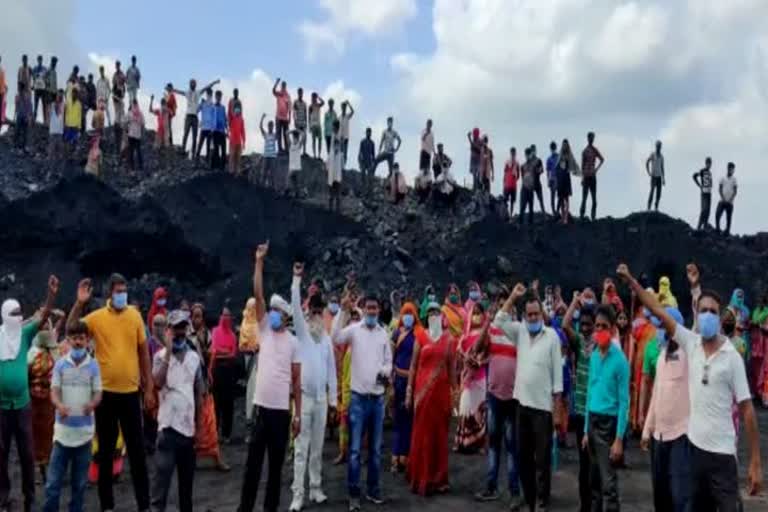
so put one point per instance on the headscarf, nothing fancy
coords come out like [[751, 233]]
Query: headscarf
[[409, 308], [223, 338], [10, 331], [155, 309], [249, 327], [738, 304], [665, 296], [454, 313]]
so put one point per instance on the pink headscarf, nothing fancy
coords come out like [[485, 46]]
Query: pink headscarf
[[223, 337]]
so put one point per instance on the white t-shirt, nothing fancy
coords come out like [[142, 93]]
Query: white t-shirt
[[344, 125], [277, 353], [710, 427], [57, 121], [193, 99], [728, 184], [334, 162], [294, 156], [388, 138], [177, 397], [428, 142], [657, 164]]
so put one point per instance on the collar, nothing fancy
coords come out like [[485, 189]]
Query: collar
[[74, 363]]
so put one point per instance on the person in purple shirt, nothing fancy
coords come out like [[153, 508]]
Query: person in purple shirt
[[552, 176]]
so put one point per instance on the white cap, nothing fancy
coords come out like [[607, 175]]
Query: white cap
[[280, 304]]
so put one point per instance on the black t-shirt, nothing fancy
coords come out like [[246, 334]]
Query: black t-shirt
[[705, 181]]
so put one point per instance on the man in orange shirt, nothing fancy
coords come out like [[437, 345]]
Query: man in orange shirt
[[283, 115], [170, 103]]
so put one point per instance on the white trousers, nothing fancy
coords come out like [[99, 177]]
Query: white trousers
[[309, 444]]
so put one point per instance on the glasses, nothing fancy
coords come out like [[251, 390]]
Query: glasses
[[705, 377]]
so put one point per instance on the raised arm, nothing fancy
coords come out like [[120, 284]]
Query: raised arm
[[504, 319], [84, 292], [261, 125], [274, 87], [299, 323], [151, 103], [215, 82], [568, 319], [351, 110], [258, 281], [160, 363], [648, 300], [50, 299]]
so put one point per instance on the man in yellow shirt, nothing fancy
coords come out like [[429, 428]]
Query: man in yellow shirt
[[123, 356], [73, 113]]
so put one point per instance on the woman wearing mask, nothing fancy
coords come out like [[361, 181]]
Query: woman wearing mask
[[404, 341], [356, 315], [158, 307], [224, 369], [428, 395], [206, 435], [453, 311], [642, 334], [625, 331], [470, 433]]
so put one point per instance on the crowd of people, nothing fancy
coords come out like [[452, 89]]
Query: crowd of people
[[520, 371], [222, 132]]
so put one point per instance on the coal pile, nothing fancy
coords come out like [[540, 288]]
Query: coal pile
[[180, 225]]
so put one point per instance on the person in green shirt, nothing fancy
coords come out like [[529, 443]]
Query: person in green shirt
[[15, 415]]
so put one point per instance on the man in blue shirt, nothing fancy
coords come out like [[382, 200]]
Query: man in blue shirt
[[607, 411], [219, 134], [554, 157], [208, 123], [366, 157]]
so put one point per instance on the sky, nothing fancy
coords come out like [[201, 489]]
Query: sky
[[691, 73]]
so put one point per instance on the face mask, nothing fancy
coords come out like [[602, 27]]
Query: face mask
[[179, 345], [371, 321], [435, 327], [535, 327], [408, 321], [475, 295], [709, 325], [161, 303], [454, 299], [589, 302], [661, 338], [120, 300], [316, 329], [729, 328], [576, 314], [333, 308], [275, 320], [477, 319], [602, 338], [431, 298], [77, 353]]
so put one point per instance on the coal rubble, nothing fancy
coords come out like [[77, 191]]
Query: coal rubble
[[180, 225]]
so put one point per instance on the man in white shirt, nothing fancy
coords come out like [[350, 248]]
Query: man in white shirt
[[133, 80], [716, 378], [388, 148], [191, 120], [728, 189], [346, 115], [277, 382], [654, 166], [538, 385], [103, 92], [371, 367], [177, 374], [318, 391]]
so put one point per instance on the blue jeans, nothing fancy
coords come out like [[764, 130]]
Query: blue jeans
[[502, 426], [670, 467], [61, 457], [366, 414]]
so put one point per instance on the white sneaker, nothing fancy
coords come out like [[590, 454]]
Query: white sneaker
[[318, 497], [297, 504]]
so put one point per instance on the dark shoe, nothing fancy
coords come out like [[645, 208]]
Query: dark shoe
[[487, 495], [516, 504]]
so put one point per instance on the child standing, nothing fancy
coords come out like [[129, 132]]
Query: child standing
[[75, 392]]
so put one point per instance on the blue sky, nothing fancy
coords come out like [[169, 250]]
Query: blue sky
[[692, 73]]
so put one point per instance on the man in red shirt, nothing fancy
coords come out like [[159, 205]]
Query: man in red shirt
[[511, 175], [170, 103], [283, 115], [591, 162]]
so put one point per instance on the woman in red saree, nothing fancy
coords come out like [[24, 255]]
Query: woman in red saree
[[643, 332], [471, 430], [429, 395]]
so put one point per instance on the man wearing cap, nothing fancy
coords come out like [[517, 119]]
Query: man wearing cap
[[278, 379], [177, 373]]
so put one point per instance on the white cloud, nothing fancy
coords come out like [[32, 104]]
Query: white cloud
[[630, 36], [348, 17]]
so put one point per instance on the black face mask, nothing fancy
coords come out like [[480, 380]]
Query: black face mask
[[728, 329]]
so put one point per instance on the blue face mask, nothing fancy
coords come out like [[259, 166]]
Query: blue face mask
[[275, 320], [179, 345], [120, 300], [661, 338], [371, 321], [535, 327], [589, 302], [709, 325], [78, 353], [475, 295], [333, 308], [408, 321], [161, 303]]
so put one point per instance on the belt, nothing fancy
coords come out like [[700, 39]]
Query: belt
[[368, 396]]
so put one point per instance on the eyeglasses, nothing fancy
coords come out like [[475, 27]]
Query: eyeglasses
[[705, 377]]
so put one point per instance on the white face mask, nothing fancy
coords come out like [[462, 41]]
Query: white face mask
[[316, 329], [435, 327]]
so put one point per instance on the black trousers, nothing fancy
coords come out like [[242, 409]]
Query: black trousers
[[334, 197], [206, 137], [585, 486], [671, 474], [706, 206], [535, 449], [269, 435], [526, 202], [175, 451], [714, 482], [219, 159], [727, 208], [539, 194], [16, 425], [224, 381], [603, 476], [655, 187], [135, 158], [190, 125], [588, 187], [121, 410], [21, 133], [510, 195], [384, 157], [282, 127], [553, 199]]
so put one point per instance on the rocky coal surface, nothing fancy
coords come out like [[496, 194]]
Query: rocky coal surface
[[194, 231]]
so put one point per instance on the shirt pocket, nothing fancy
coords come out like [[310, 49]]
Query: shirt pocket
[[674, 371]]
